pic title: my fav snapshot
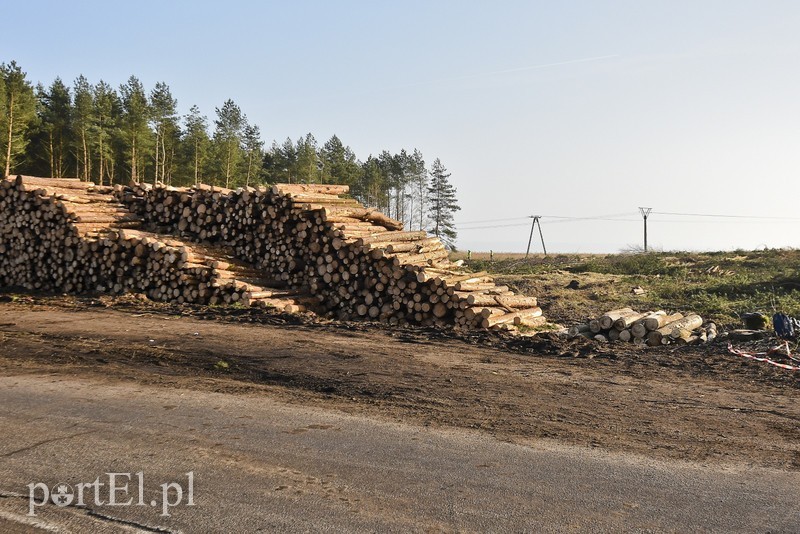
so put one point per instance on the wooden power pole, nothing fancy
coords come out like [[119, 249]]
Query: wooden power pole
[[645, 213], [534, 223]]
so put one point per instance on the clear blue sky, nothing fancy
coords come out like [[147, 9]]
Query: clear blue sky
[[553, 108]]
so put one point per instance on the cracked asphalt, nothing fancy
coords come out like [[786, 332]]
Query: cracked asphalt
[[262, 465]]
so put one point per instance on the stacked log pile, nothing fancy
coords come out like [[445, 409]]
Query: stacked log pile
[[647, 328], [356, 262], [69, 236]]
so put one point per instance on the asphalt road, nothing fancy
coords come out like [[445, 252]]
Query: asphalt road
[[260, 465]]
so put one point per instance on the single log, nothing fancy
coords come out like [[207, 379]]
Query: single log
[[658, 337], [430, 243], [515, 317], [316, 189], [711, 332], [687, 324], [607, 319], [515, 301], [577, 330], [531, 322], [22, 181], [391, 237], [658, 320], [627, 320], [363, 214], [640, 327], [479, 286]]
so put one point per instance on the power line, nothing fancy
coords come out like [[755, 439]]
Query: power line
[[589, 217], [620, 217], [724, 216], [460, 228], [579, 219], [492, 220], [707, 221], [493, 226], [564, 217], [561, 219]]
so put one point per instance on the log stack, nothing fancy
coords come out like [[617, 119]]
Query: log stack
[[70, 236], [646, 328], [203, 244], [355, 261]]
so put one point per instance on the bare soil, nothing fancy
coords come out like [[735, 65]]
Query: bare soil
[[692, 403]]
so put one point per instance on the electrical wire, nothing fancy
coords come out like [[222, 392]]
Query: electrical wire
[[491, 220], [618, 217], [493, 226], [723, 216], [561, 219]]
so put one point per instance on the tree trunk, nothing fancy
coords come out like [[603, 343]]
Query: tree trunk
[[52, 164], [86, 169], [158, 149], [228, 167], [10, 131], [196, 161], [102, 163], [60, 160], [171, 161], [134, 176]]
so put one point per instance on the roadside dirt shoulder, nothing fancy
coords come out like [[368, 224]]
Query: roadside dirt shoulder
[[698, 405]]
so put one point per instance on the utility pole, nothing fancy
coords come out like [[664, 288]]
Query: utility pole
[[645, 213], [534, 223]]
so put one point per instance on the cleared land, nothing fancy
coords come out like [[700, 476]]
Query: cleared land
[[718, 285]]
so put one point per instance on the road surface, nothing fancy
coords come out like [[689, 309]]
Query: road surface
[[262, 465]]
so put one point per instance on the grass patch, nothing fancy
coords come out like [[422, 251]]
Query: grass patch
[[718, 285]]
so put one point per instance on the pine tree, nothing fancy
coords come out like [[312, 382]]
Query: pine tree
[[401, 179], [107, 113], [164, 117], [390, 171], [419, 184], [253, 150], [82, 122], [134, 128], [230, 125], [339, 164], [443, 203], [370, 187], [55, 113], [18, 114], [307, 160], [282, 162], [196, 142]]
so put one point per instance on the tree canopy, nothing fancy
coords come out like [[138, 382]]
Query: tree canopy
[[98, 133]]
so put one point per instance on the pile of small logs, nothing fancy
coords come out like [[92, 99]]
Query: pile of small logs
[[357, 262], [70, 236], [647, 328], [218, 246]]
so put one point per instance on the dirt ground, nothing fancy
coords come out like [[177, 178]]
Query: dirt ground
[[692, 403]]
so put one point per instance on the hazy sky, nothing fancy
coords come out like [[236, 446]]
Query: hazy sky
[[568, 109]]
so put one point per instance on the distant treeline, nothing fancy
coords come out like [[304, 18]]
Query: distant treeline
[[106, 135]]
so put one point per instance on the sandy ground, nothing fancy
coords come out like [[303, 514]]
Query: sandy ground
[[695, 404]]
